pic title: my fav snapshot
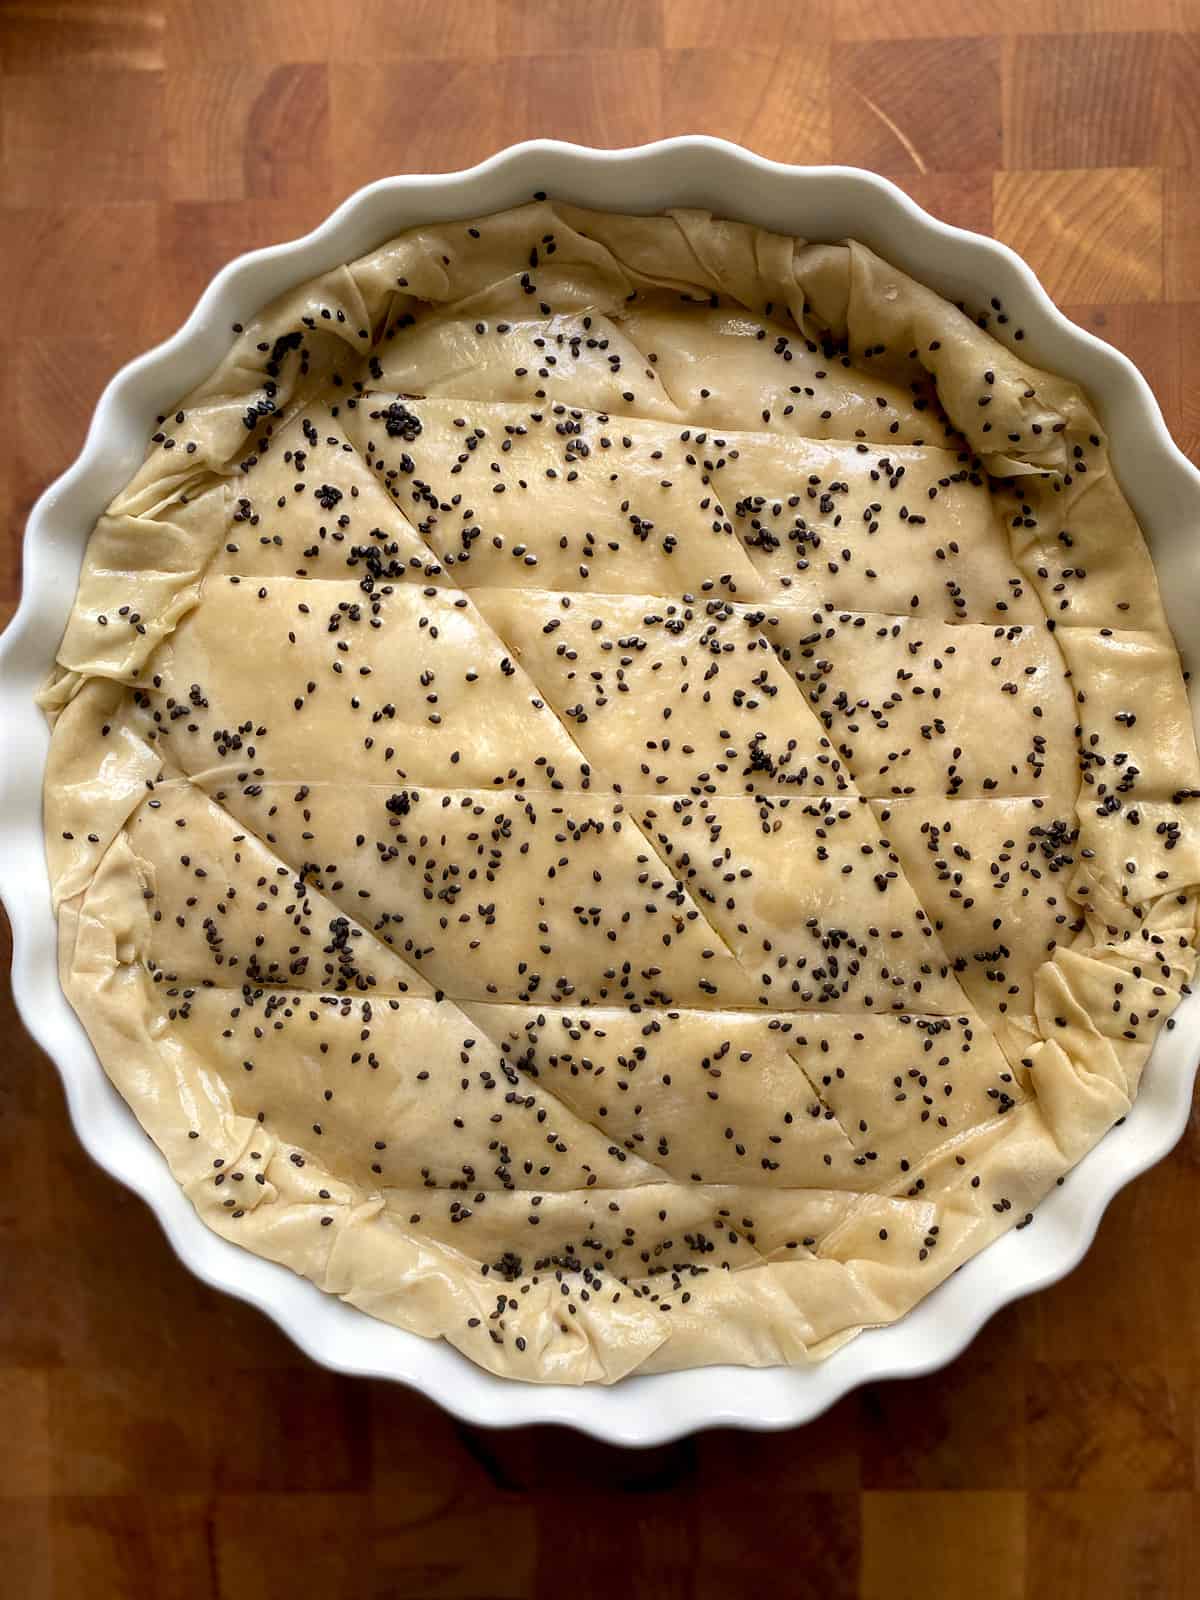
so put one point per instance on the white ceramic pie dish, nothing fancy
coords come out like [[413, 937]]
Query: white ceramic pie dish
[[817, 203]]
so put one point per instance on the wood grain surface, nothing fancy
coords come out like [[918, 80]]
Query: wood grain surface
[[158, 1439]]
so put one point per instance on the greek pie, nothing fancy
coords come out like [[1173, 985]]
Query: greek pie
[[621, 794]]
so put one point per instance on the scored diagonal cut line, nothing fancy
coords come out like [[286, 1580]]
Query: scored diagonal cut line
[[629, 819], [827, 1110]]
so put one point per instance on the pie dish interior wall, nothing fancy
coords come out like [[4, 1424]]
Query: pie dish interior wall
[[818, 203]]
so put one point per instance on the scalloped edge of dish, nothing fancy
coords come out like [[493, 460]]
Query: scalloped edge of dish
[[814, 202]]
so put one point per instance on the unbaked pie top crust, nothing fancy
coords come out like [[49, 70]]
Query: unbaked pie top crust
[[621, 793]]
